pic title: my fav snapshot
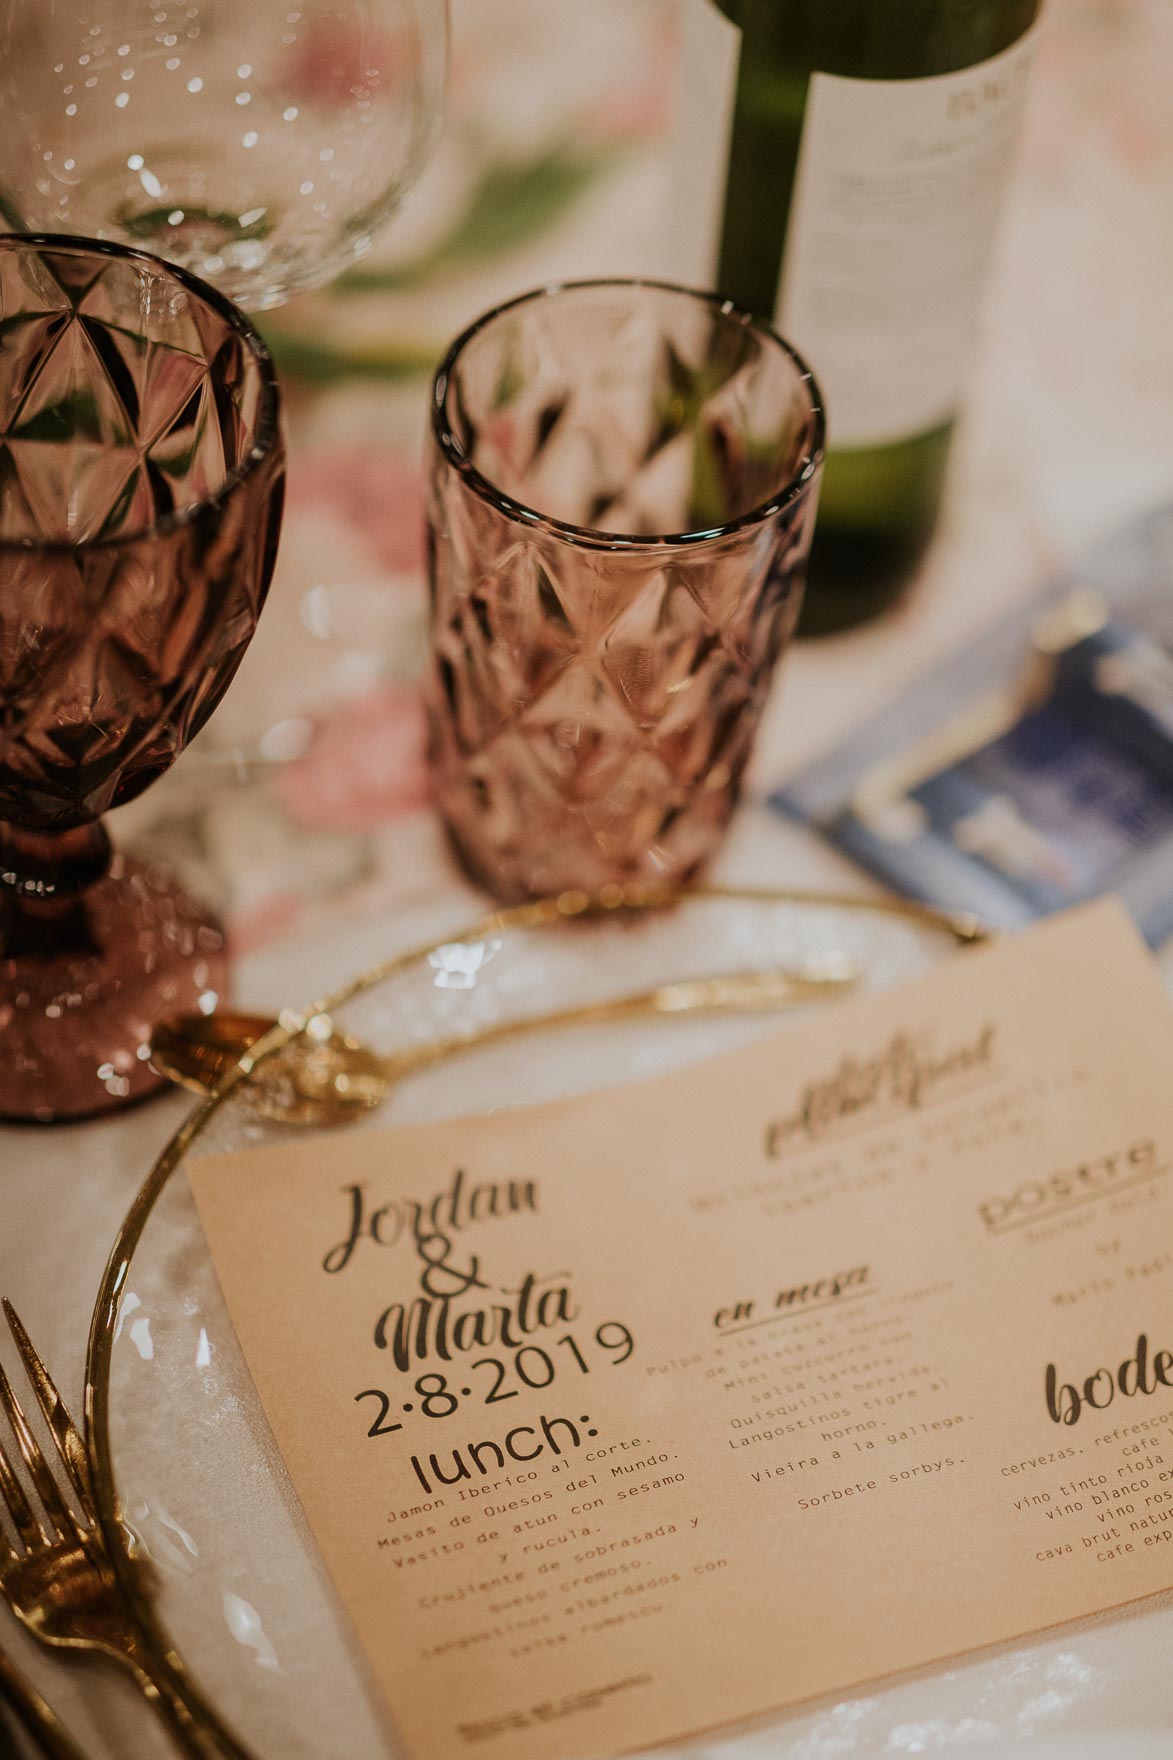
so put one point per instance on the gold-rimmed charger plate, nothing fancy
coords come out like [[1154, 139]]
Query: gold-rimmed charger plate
[[224, 1573]]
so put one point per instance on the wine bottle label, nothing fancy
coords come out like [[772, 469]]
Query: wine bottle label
[[892, 222], [706, 89]]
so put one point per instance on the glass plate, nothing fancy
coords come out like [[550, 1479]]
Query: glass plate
[[231, 1584]]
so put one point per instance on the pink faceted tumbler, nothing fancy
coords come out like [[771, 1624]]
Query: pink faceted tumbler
[[623, 488]]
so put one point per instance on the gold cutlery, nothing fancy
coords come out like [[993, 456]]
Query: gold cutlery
[[326, 1077], [54, 1572], [30, 1712]]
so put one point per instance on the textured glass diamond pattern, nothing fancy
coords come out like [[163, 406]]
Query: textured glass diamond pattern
[[596, 686], [135, 547]]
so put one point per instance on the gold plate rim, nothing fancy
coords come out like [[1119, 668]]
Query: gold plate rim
[[566, 907]]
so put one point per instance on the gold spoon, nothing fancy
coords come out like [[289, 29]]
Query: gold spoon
[[326, 1077]]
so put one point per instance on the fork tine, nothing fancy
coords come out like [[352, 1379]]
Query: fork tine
[[65, 1433], [61, 1517], [32, 1535]]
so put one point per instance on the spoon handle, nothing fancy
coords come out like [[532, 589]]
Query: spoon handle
[[735, 993], [199, 1053]]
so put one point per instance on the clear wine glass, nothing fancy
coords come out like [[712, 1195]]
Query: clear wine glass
[[258, 143]]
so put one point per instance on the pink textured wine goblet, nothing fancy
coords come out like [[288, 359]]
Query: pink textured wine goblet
[[141, 480]]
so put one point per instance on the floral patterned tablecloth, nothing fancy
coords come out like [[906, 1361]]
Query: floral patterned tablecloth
[[301, 811]]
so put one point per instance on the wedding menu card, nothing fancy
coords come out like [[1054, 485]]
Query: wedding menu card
[[626, 1416]]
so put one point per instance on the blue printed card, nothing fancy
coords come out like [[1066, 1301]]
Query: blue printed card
[[1035, 770]]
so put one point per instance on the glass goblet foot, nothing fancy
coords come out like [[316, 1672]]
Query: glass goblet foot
[[77, 1009]]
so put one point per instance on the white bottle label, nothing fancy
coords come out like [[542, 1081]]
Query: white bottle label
[[710, 47], [892, 222]]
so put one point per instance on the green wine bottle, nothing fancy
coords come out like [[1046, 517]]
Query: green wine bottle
[[868, 151]]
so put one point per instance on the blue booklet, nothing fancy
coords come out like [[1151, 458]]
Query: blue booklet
[[1034, 770]]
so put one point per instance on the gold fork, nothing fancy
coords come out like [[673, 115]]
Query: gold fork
[[54, 1572]]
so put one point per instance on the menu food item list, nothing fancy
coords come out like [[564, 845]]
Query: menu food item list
[[623, 1417]]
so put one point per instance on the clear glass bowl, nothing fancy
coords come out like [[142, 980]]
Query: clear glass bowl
[[230, 1578], [259, 143]]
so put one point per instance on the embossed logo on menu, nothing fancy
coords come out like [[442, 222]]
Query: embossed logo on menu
[[908, 1074]]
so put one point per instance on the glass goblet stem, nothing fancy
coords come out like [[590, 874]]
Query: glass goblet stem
[[44, 876], [95, 948]]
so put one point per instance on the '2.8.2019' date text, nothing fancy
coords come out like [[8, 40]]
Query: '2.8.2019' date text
[[531, 1365]]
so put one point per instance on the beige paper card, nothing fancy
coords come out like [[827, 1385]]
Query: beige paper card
[[620, 1418]]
